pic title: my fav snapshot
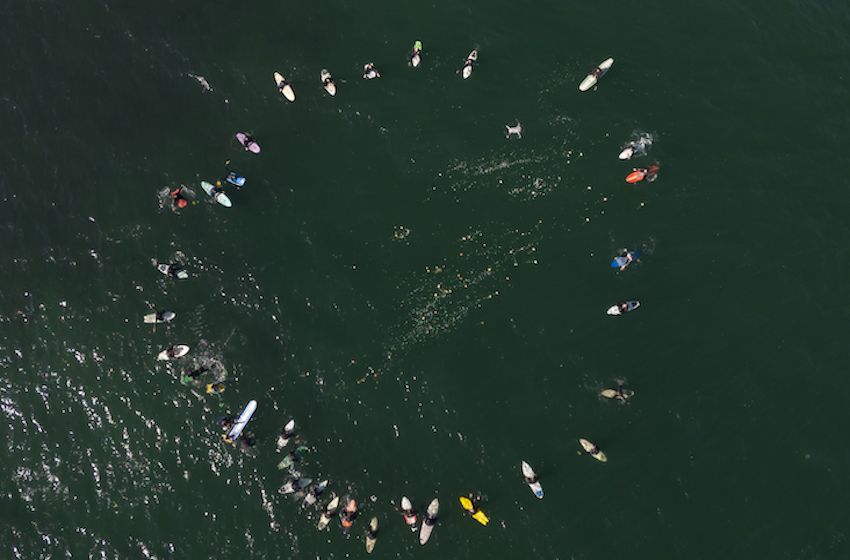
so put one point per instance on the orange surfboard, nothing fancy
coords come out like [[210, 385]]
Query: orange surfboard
[[636, 176]]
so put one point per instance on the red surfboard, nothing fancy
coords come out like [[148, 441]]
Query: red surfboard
[[636, 176]]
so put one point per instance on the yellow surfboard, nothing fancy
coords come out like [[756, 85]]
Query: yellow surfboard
[[477, 515]]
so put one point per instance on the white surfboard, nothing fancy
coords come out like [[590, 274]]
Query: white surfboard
[[591, 79], [219, 196], [589, 448], [630, 306], [529, 475], [242, 421], [167, 270], [164, 317], [329, 86], [177, 351], [627, 152], [470, 62], [330, 511], [284, 87], [284, 437], [430, 521]]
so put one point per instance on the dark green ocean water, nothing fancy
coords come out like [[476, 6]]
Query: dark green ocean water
[[425, 297]]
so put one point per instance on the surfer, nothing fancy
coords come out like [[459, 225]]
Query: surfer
[[247, 441], [349, 513], [327, 81], [624, 307], [191, 376], [629, 256], [515, 130], [470, 60], [592, 450], [370, 72], [227, 422], [248, 141], [622, 394], [164, 316], [652, 172], [416, 54], [178, 200]]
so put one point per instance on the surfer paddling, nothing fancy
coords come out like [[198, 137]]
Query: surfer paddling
[[370, 72]]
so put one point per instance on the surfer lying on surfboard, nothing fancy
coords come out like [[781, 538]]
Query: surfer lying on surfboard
[[620, 394], [178, 200], [639, 174], [370, 72], [193, 375]]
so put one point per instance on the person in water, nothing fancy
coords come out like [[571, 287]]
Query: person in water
[[174, 270], [593, 450], [652, 172], [629, 256], [191, 376], [247, 441], [370, 72], [160, 315], [178, 200], [227, 422]]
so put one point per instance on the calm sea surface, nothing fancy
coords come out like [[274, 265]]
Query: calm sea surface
[[424, 296]]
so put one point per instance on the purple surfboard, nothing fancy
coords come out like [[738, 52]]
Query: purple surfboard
[[252, 146]]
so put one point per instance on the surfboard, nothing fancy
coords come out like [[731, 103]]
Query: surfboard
[[612, 393], [166, 316], [630, 306], [627, 152], [235, 179], [589, 447], [242, 421], [283, 438], [372, 535], [284, 87], [330, 86], [180, 350], [173, 270], [636, 176], [591, 79], [621, 260], [219, 196], [330, 510], [477, 515], [416, 56], [251, 146], [430, 521], [470, 62], [529, 474], [408, 513]]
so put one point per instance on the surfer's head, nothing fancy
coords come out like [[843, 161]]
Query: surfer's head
[[182, 203]]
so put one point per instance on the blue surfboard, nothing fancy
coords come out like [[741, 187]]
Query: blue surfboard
[[235, 179], [619, 261]]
